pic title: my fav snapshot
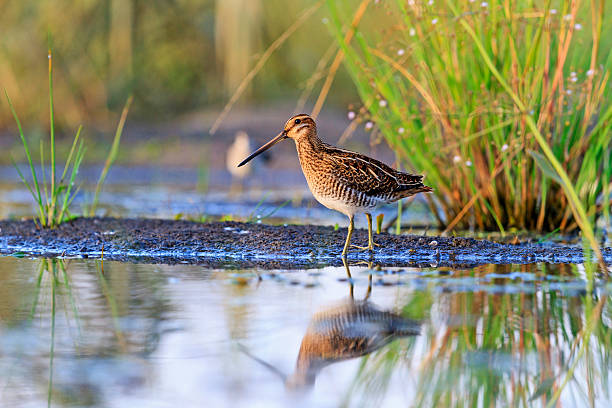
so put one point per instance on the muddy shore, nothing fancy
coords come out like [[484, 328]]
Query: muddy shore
[[242, 245]]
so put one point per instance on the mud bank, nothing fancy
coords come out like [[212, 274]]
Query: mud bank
[[259, 245]]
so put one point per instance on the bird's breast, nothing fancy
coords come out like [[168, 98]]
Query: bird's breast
[[330, 188]]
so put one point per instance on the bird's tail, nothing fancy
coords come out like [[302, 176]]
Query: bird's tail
[[412, 190]]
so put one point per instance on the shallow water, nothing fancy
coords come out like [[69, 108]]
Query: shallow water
[[152, 192], [83, 333]]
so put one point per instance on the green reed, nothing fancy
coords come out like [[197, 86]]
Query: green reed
[[112, 156], [54, 195], [502, 105]]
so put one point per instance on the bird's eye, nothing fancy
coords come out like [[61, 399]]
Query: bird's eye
[[297, 121]]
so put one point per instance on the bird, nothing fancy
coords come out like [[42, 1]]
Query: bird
[[342, 180], [237, 150]]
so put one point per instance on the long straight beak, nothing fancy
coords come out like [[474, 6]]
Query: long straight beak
[[282, 135]]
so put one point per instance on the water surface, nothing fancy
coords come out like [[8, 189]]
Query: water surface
[[87, 333]]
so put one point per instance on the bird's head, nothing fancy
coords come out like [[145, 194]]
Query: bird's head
[[297, 127]]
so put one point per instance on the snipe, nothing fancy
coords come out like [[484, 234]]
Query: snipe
[[341, 180]]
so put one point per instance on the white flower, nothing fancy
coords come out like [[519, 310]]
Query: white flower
[[324, 20], [484, 4], [411, 2], [578, 26], [567, 17], [400, 130], [504, 147], [457, 159], [434, 21], [430, 2], [568, 91], [351, 115], [573, 73], [590, 72], [412, 32], [573, 79], [369, 125], [382, 103], [553, 11], [400, 51], [468, 163]]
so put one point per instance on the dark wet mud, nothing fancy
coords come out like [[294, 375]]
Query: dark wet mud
[[243, 245]]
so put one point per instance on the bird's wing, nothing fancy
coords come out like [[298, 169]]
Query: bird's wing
[[370, 176]]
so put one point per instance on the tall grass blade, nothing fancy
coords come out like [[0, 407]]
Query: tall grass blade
[[75, 169], [112, 155], [52, 208], [463, 92], [302, 18], [26, 148]]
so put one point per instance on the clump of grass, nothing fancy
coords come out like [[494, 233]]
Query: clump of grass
[[53, 195], [502, 105]]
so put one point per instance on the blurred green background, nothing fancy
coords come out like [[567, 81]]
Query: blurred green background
[[174, 56]]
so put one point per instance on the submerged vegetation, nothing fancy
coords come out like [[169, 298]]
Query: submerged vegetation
[[52, 194], [504, 106]]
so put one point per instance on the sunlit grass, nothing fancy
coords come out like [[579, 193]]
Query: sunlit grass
[[112, 156], [503, 107], [52, 194]]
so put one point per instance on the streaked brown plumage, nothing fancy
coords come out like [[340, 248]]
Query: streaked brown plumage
[[343, 180], [348, 330]]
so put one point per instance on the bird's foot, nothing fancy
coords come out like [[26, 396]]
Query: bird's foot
[[366, 248]]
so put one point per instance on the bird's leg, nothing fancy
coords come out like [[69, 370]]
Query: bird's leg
[[350, 277], [348, 235], [369, 292], [371, 242]]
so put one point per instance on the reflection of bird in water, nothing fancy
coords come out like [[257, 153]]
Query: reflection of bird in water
[[342, 180], [349, 329]]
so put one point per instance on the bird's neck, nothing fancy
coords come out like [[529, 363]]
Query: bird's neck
[[308, 146]]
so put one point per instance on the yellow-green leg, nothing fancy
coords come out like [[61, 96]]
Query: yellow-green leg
[[348, 236], [350, 277], [369, 292], [371, 242], [350, 280]]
